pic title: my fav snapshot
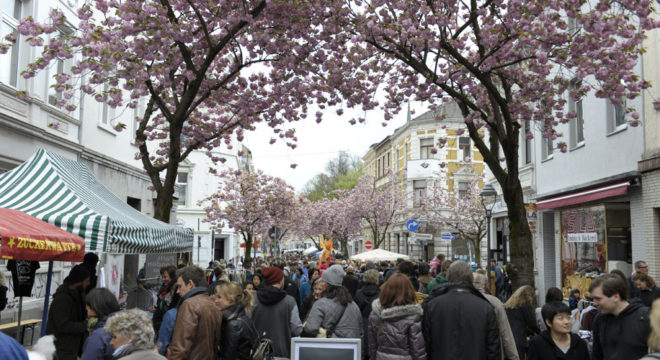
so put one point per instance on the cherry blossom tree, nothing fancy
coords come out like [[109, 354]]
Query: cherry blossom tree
[[336, 218], [380, 205], [285, 212], [250, 203], [462, 213], [205, 70], [505, 63]]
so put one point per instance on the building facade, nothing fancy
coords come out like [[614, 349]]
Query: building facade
[[412, 153], [589, 199], [195, 183]]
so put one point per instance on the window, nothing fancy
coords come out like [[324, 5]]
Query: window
[[528, 143], [462, 189], [577, 123], [397, 159], [10, 12], [419, 192], [380, 169], [616, 115], [548, 146], [425, 148], [464, 147], [182, 184], [60, 66]]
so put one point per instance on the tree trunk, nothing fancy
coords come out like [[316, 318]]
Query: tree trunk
[[476, 244], [521, 267], [163, 204], [344, 247], [248, 251]]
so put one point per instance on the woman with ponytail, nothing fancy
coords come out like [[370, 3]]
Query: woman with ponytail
[[238, 333]]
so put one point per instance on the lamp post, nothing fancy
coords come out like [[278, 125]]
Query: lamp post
[[488, 199]]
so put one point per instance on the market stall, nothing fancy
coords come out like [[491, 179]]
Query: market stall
[[25, 240], [379, 255]]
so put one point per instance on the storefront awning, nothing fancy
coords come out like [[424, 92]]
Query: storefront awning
[[64, 193], [584, 196]]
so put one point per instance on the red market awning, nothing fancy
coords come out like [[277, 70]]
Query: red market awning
[[23, 237], [584, 196]]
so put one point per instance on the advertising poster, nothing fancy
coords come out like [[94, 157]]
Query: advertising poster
[[113, 268], [583, 247]]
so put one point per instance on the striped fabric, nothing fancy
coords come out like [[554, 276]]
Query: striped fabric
[[64, 193]]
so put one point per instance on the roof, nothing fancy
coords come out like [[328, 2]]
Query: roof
[[64, 193], [27, 238]]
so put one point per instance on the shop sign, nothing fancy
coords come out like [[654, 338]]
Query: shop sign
[[590, 237]]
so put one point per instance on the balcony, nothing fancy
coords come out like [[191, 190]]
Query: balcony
[[422, 168]]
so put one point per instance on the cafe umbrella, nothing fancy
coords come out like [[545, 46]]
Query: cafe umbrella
[[23, 237]]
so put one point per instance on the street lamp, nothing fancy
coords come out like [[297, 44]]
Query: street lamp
[[488, 199]]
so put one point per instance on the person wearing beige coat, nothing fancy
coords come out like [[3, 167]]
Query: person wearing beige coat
[[507, 342]]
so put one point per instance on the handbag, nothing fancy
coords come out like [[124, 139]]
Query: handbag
[[326, 333], [262, 348]]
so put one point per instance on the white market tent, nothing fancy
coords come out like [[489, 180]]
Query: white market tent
[[379, 255], [311, 250]]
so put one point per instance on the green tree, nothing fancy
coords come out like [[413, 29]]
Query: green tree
[[341, 173]]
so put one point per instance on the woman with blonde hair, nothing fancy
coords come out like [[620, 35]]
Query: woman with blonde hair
[[238, 333], [654, 338], [520, 312]]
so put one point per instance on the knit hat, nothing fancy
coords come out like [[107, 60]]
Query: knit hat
[[272, 275], [334, 275], [77, 274]]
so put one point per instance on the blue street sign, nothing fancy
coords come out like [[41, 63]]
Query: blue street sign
[[412, 225], [448, 237]]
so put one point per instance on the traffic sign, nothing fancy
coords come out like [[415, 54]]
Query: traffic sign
[[368, 245], [421, 236], [448, 236], [412, 225]]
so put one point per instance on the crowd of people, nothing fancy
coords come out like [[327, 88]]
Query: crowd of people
[[407, 310]]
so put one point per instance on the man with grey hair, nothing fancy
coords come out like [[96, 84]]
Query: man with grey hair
[[507, 341], [640, 265], [459, 323]]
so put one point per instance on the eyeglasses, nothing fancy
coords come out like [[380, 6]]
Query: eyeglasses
[[644, 267]]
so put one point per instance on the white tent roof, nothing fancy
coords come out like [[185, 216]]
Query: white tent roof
[[379, 255], [311, 250]]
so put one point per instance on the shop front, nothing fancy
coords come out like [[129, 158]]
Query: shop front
[[594, 239], [596, 234]]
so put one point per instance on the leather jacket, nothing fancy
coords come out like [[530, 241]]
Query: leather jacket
[[238, 334], [197, 329]]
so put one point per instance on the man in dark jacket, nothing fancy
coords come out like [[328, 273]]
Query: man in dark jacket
[[89, 262], [621, 329], [459, 323], [275, 313], [67, 314], [198, 321]]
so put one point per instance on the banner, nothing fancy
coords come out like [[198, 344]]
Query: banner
[[114, 266]]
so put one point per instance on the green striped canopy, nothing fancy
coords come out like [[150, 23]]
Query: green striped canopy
[[64, 193]]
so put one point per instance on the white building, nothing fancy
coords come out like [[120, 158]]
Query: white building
[[85, 135], [195, 183], [589, 199]]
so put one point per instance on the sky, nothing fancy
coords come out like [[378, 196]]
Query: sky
[[319, 143]]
